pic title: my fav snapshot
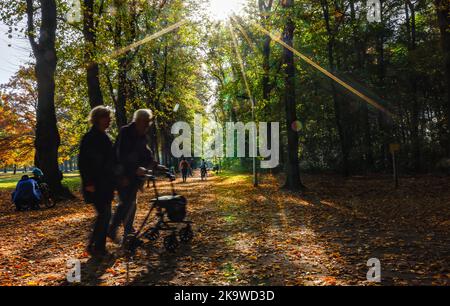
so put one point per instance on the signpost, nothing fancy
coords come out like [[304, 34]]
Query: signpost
[[394, 148]]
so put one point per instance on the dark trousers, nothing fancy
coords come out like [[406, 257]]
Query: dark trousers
[[184, 174], [98, 237], [23, 204], [126, 211]]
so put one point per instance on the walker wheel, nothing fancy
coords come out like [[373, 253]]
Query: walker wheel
[[186, 234], [152, 235], [171, 243], [131, 244]]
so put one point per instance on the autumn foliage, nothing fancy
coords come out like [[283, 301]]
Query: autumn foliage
[[16, 132]]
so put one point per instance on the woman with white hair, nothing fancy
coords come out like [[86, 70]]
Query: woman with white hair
[[134, 157], [96, 164]]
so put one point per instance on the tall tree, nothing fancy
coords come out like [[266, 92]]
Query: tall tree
[[47, 136], [360, 51], [92, 67], [338, 103], [443, 12], [383, 121], [415, 112], [293, 180], [265, 7]]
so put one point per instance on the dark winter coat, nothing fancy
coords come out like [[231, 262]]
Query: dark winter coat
[[96, 164], [132, 152]]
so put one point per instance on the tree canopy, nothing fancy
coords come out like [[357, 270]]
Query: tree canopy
[[400, 62]]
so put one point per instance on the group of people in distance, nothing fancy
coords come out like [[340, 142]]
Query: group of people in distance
[[186, 169]]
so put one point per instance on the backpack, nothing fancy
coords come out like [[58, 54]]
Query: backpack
[[184, 165]]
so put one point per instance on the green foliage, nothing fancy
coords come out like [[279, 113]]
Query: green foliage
[[196, 68]]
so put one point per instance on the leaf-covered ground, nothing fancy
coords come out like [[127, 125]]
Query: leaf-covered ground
[[247, 236]]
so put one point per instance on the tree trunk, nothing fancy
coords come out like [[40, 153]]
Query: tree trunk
[[121, 113], [293, 180], [265, 9], [382, 118], [120, 102], [340, 120], [415, 113], [47, 136], [360, 50], [367, 138], [443, 12], [92, 67]]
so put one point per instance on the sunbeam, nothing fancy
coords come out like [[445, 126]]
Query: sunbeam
[[220, 10], [148, 39], [320, 68]]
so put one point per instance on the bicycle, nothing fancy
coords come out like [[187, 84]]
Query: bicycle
[[47, 197]]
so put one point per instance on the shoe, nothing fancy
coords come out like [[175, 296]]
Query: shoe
[[113, 237], [103, 254], [133, 239], [131, 244], [97, 254], [90, 249]]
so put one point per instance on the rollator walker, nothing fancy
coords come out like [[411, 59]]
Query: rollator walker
[[171, 213]]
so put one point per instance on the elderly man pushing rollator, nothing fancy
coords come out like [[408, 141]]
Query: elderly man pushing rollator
[[133, 158]]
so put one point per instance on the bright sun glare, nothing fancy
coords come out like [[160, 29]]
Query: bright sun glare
[[222, 9]]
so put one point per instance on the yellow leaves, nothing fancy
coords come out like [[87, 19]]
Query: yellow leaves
[[53, 277], [330, 281], [442, 276], [32, 284], [255, 248], [16, 134], [115, 272], [210, 272], [111, 271]]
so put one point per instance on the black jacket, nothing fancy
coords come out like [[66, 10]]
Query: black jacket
[[132, 152], [96, 164]]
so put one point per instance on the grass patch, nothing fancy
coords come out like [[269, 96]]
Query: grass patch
[[8, 181], [230, 241], [72, 181], [230, 219], [231, 177], [230, 272]]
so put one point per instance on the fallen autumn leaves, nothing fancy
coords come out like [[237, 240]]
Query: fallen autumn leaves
[[253, 237]]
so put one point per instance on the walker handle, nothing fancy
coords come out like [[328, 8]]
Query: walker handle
[[150, 177], [171, 177]]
